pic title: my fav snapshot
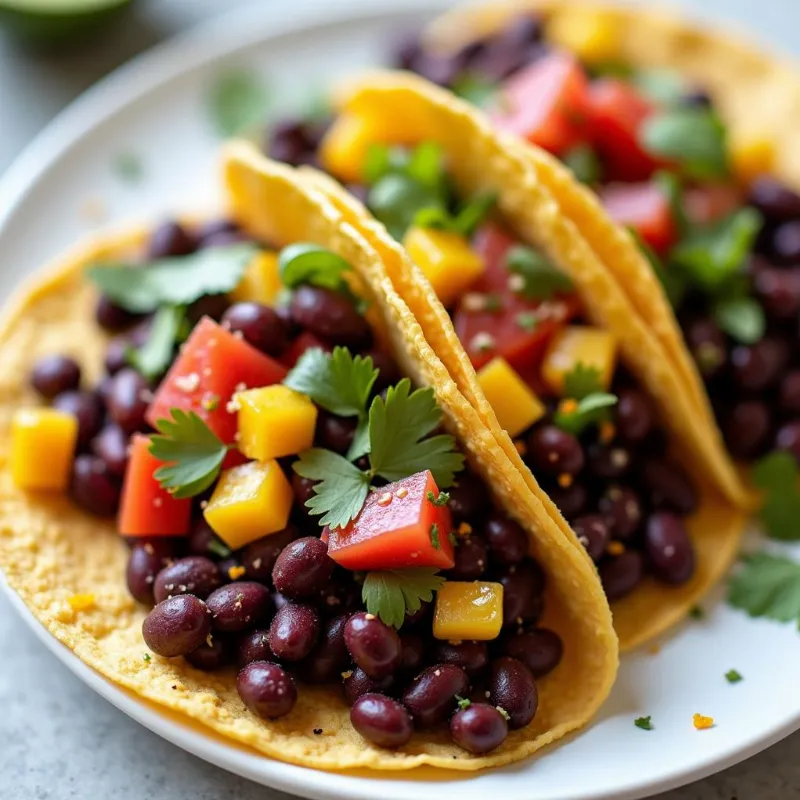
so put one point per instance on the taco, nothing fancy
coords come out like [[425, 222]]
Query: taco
[[515, 278], [225, 390], [686, 136]]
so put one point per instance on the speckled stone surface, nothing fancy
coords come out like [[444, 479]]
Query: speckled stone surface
[[59, 740]]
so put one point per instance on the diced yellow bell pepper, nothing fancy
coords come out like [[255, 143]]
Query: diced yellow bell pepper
[[261, 282], [578, 344], [274, 422], [42, 448], [752, 154], [345, 146], [592, 34], [513, 401], [468, 610], [250, 501], [446, 259]]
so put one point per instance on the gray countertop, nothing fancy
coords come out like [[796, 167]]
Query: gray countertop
[[60, 740]]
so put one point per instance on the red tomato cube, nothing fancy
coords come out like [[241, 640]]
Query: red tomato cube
[[398, 527], [146, 509], [212, 366], [546, 103], [645, 208]]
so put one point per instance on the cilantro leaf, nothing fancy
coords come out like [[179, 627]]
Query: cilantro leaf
[[179, 280], [237, 100], [767, 586], [463, 702], [581, 381], [342, 487], [192, 452], [584, 163], [435, 543], [155, 355], [464, 223], [644, 723], [542, 279], [663, 86], [777, 475], [391, 594], [475, 89], [304, 262], [397, 427], [396, 199], [588, 411], [733, 676], [742, 318]]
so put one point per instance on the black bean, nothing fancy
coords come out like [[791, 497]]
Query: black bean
[[707, 345], [540, 650], [592, 532], [471, 557], [266, 689], [381, 720], [303, 489], [777, 202], [512, 688], [431, 696], [128, 400], [356, 683], [388, 374], [87, 409], [523, 588], [786, 243], [195, 575], [758, 366], [697, 98], [669, 486], [253, 646], [293, 632], [621, 574], [259, 325], [331, 315], [111, 445], [335, 433], [747, 427], [213, 654], [215, 227], [472, 657], [144, 563], [293, 141], [330, 656], [212, 305], [93, 487], [302, 568], [52, 375], [177, 626], [202, 540], [412, 654], [469, 498], [259, 557], [438, 69], [779, 292], [479, 728], [570, 500], [374, 646], [554, 451], [116, 357], [634, 415], [171, 239], [239, 606], [608, 461], [506, 540], [669, 548], [112, 317], [340, 593], [790, 392], [788, 438], [622, 510], [421, 615]]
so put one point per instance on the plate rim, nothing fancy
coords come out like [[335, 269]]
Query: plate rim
[[217, 38]]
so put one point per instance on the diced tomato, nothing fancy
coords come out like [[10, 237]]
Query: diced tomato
[[147, 509], [546, 103], [616, 114], [398, 527], [710, 203], [305, 341], [212, 366], [645, 208]]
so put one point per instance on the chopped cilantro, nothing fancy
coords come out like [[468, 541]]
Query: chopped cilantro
[[777, 476], [581, 381], [391, 594], [475, 89], [589, 410], [463, 702], [452, 538], [542, 278], [155, 355], [128, 167], [527, 320], [219, 548], [441, 500], [742, 318], [462, 223], [644, 723], [237, 100], [503, 713], [665, 87], [492, 302], [147, 657], [306, 263], [435, 537], [732, 676], [583, 161], [767, 586]]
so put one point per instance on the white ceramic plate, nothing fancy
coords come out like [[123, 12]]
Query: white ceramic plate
[[155, 108]]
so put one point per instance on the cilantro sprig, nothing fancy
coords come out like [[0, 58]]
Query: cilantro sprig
[[155, 355], [391, 594], [588, 411], [777, 476], [767, 586], [464, 222], [582, 381], [542, 279], [237, 100], [644, 723]]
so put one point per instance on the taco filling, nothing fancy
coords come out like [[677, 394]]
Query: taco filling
[[292, 505]]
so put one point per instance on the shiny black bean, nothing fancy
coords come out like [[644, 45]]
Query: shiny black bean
[[177, 626], [669, 548], [331, 315], [759, 366], [786, 243], [472, 657], [779, 292], [381, 720], [195, 575], [253, 646], [507, 542], [412, 654], [356, 683], [790, 392], [788, 438], [330, 656], [87, 409], [266, 689], [540, 650], [112, 317], [293, 632], [259, 325], [438, 69], [116, 357], [471, 557], [388, 374], [592, 532], [608, 461], [144, 563], [239, 606], [707, 345], [419, 617], [479, 728], [212, 305], [622, 510], [431, 696], [570, 500], [293, 141], [171, 239], [111, 445], [93, 487], [303, 489], [747, 428], [621, 574], [340, 593], [302, 568], [554, 451], [335, 433], [469, 498], [128, 400], [216, 227], [52, 375], [669, 486], [374, 646], [212, 655], [523, 588], [634, 415], [259, 557], [777, 202], [512, 688], [202, 541]]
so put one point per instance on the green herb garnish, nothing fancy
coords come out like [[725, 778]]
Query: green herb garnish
[[542, 278], [475, 89], [237, 100], [305, 263], [155, 355], [665, 87], [643, 723], [435, 537], [767, 586], [392, 594], [732, 676], [590, 410], [583, 161], [527, 320], [219, 548], [742, 318], [463, 702], [463, 223], [128, 167], [192, 452], [147, 657], [582, 381], [441, 500], [777, 476], [173, 281]]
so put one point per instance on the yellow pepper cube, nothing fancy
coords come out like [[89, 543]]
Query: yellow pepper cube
[[42, 448], [752, 154], [347, 141], [261, 282], [592, 34], [594, 348], [250, 501], [274, 422], [446, 259], [515, 405], [468, 610]]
